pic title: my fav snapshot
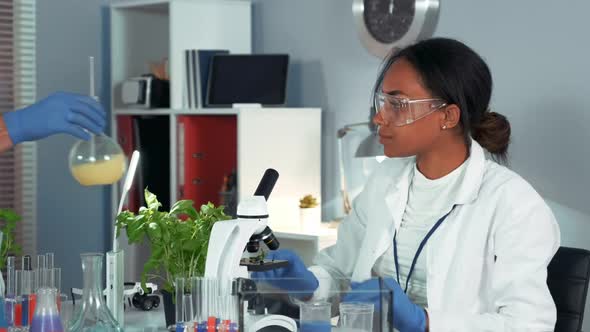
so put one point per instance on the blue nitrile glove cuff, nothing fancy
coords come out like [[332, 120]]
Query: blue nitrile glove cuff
[[13, 126], [296, 278], [407, 316]]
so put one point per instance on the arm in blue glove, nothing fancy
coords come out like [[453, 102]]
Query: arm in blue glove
[[61, 112], [407, 316], [295, 278]]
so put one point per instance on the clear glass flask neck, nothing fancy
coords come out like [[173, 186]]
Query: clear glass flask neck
[[94, 315], [92, 270]]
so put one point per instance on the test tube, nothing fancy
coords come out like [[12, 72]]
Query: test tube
[[57, 283], [10, 291], [3, 320], [212, 305], [210, 294], [10, 276], [223, 325], [49, 260], [57, 279], [26, 297], [46, 278], [229, 302], [40, 274], [196, 295], [26, 263], [33, 294], [221, 300], [187, 308], [18, 305], [65, 312], [206, 302], [41, 262], [53, 278], [3, 324], [179, 301], [233, 327]]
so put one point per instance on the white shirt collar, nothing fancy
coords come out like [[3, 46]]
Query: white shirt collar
[[472, 180]]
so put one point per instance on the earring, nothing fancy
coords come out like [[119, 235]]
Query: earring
[[444, 127]]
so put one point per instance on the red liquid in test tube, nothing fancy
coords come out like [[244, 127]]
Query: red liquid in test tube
[[18, 314], [32, 305]]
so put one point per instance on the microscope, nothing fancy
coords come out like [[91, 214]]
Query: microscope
[[228, 241]]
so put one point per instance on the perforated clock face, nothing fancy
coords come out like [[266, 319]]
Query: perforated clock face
[[388, 20]]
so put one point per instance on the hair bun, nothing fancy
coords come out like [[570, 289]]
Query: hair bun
[[493, 133]]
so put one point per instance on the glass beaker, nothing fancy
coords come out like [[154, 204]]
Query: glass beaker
[[46, 318], [93, 315], [357, 316], [98, 161], [315, 317]]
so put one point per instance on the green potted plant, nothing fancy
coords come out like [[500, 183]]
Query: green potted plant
[[178, 240], [8, 221]]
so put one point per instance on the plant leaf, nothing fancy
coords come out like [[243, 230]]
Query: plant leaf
[[184, 207], [151, 201], [178, 239]]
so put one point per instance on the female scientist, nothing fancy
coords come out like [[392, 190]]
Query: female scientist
[[61, 112], [463, 241]]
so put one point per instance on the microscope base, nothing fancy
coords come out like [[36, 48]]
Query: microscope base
[[275, 323]]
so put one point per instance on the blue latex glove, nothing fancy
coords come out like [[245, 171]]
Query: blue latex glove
[[61, 112], [407, 316], [295, 278]]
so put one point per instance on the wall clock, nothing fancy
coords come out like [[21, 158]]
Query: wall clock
[[386, 24]]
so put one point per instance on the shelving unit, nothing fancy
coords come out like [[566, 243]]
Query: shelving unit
[[286, 139], [148, 31], [169, 111]]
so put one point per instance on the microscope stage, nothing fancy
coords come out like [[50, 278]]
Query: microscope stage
[[263, 265]]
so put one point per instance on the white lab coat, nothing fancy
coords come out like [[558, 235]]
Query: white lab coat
[[487, 262]]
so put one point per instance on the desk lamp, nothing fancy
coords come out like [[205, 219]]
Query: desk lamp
[[369, 147]]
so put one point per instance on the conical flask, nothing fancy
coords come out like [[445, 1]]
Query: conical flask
[[93, 315], [46, 318]]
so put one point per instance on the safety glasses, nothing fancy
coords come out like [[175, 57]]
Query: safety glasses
[[400, 111]]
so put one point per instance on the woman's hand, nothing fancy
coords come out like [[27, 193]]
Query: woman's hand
[[295, 278], [407, 316]]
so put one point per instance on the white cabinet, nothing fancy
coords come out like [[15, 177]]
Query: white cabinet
[[288, 140]]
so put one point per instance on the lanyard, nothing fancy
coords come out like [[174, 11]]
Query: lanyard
[[420, 247]]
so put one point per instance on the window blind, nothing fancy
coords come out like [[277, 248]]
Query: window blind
[[18, 185]]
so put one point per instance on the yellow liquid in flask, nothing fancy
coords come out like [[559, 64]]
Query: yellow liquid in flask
[[100, 172]]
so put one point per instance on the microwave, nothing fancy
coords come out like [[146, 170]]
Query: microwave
[[145, 91]]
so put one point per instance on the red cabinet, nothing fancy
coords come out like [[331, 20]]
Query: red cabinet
[[207, 154]]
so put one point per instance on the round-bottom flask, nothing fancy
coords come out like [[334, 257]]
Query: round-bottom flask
[[99, 161]]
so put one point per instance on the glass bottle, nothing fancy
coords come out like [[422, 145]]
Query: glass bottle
[[46, 318], [93, 315]]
